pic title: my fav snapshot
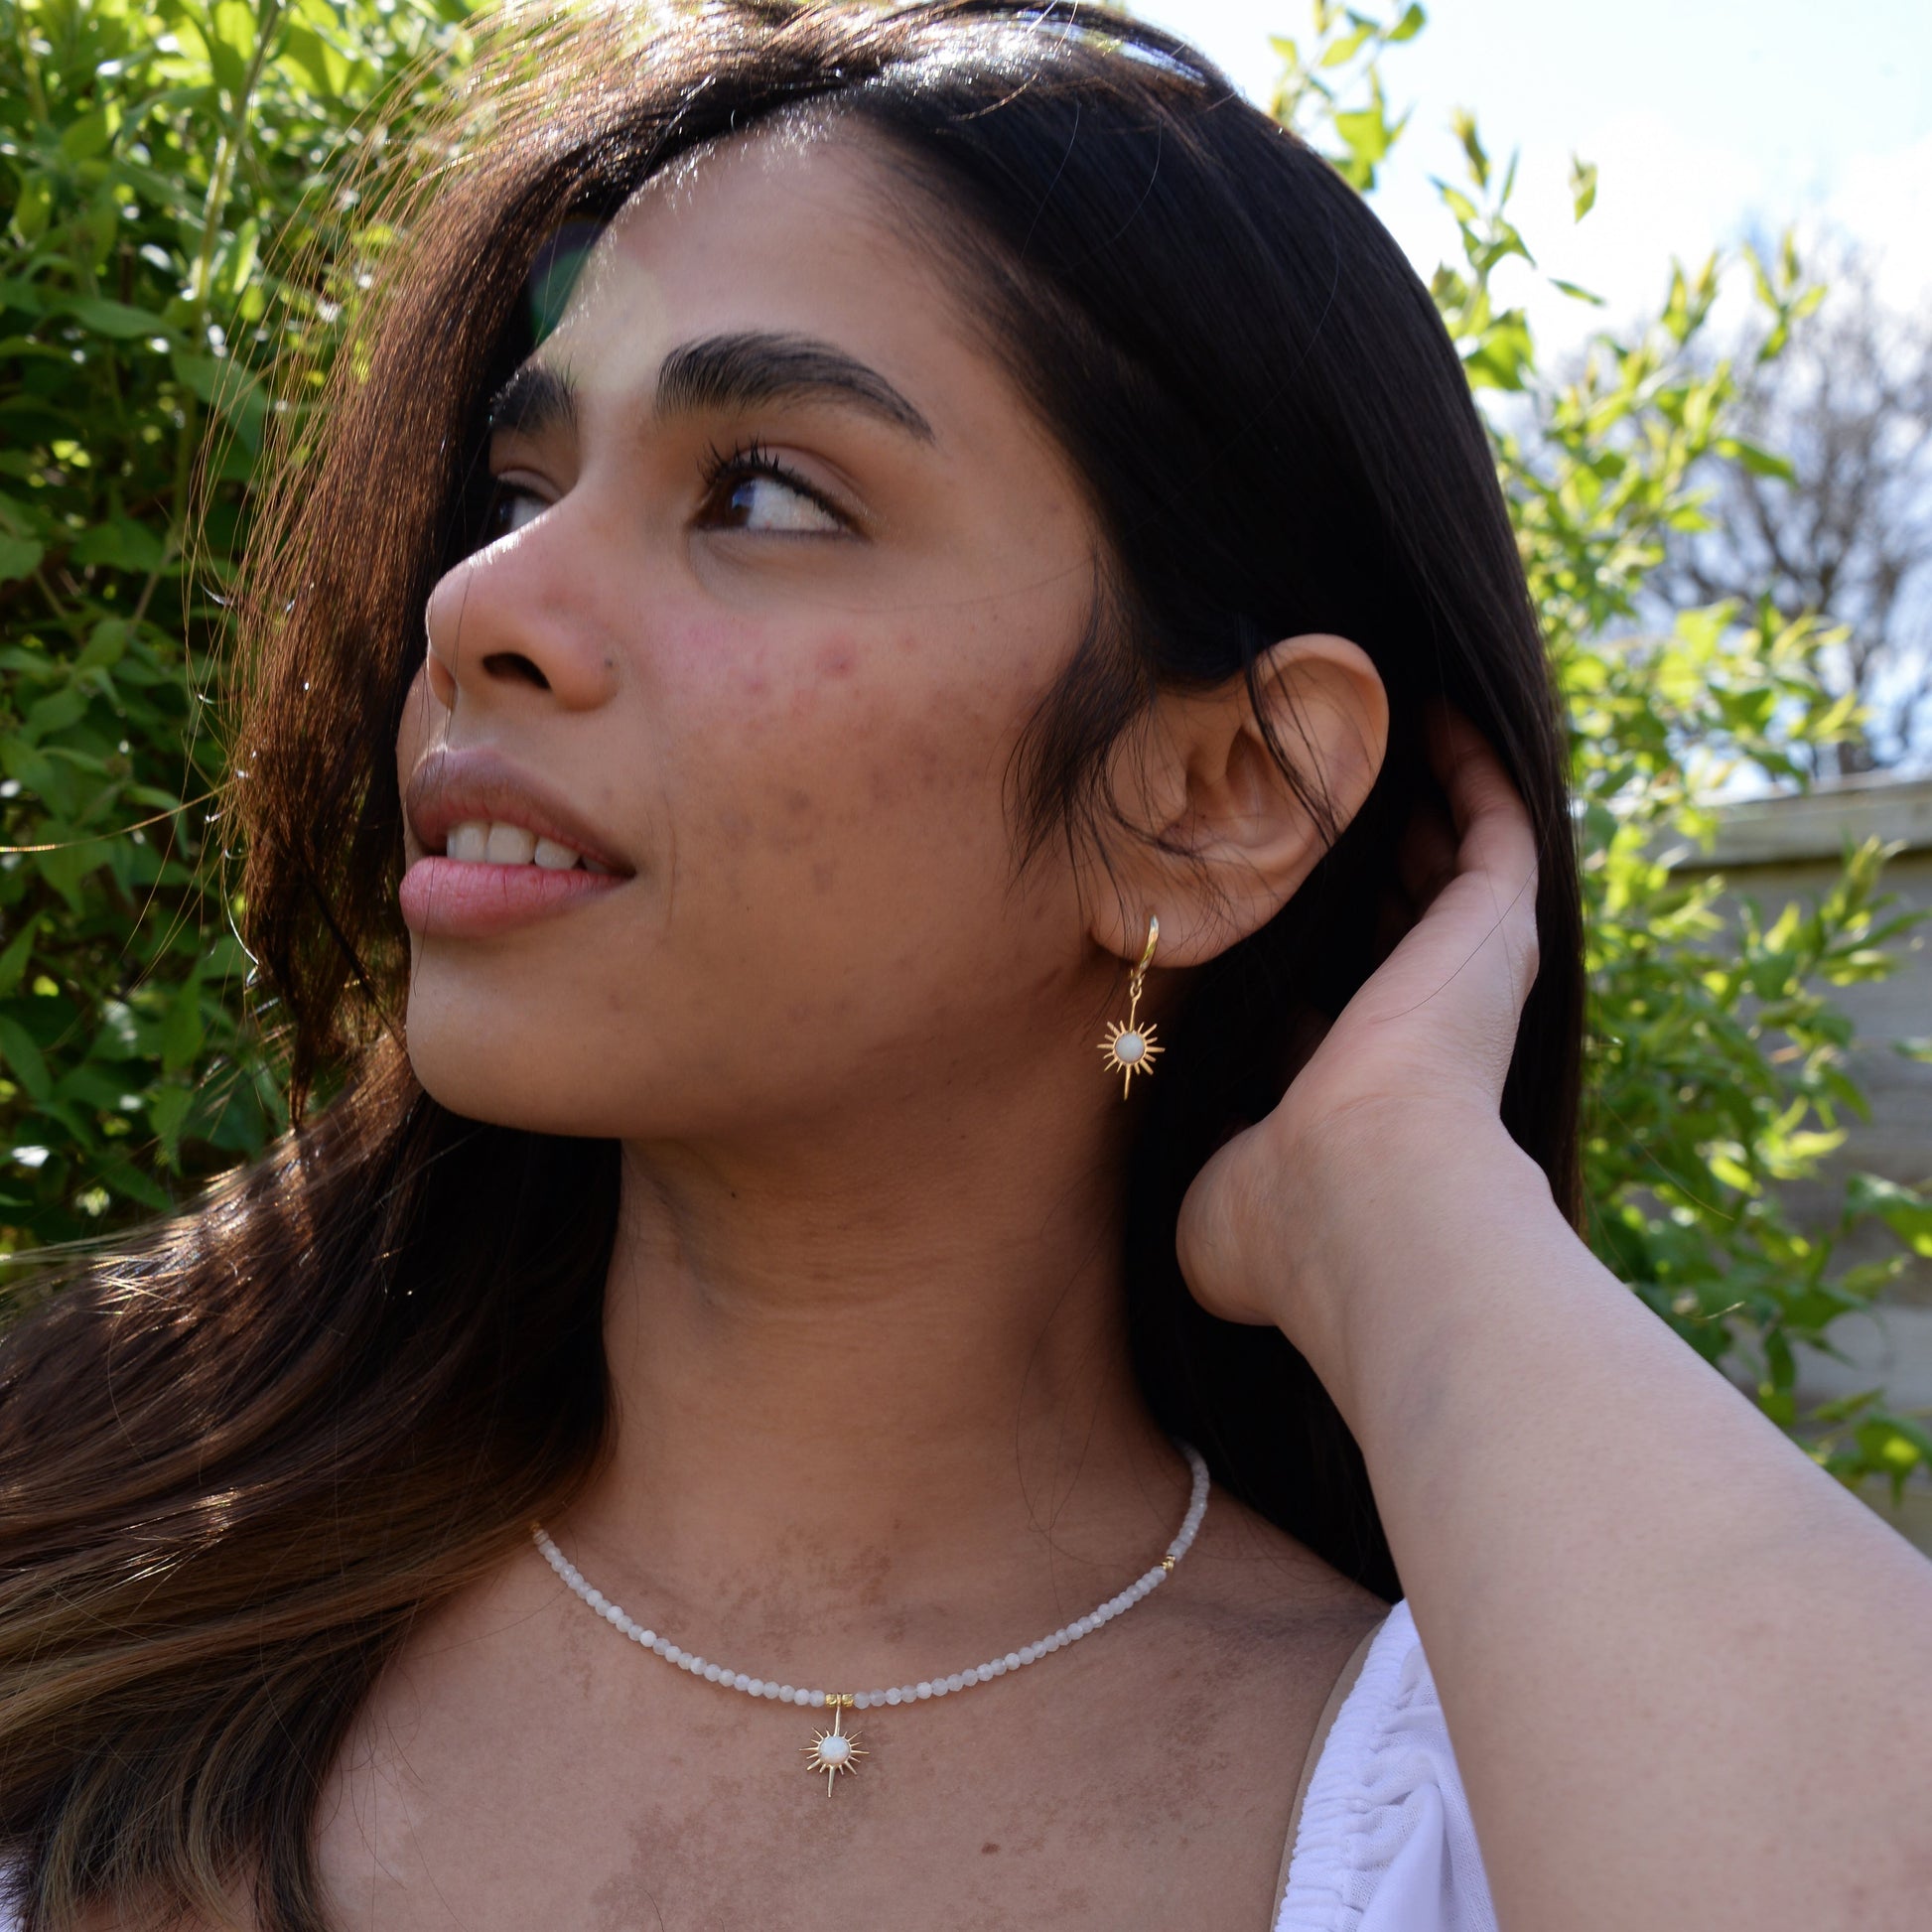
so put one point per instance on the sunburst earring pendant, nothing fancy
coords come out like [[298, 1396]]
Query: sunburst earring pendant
[[834, 1750], [1130, 1048]]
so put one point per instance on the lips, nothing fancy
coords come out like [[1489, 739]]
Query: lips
[[457, 899], [450, 787], [470, 899]]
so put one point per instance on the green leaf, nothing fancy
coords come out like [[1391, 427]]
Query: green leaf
[[105, 646], [1465, 125], [1905, 1212], [325, 69], [1582, 186], [87, 137], [228, 388], [18, 557], [31, 208], [13, 961], [56, 712], [121, 544], [167, 1110], [1408, 27], [182, 1032], [1761, 463], [120, 319], [1347, 47], [23, 1058], [231, 45], [1844, 1407]]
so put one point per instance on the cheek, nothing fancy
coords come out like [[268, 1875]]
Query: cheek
[[863, 737]]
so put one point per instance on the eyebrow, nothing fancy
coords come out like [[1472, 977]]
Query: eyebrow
[[753, 366], [720, 373], [534, 399]]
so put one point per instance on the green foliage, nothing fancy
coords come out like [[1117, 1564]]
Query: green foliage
[[172, 179], [1716, 1064], [180, 221]]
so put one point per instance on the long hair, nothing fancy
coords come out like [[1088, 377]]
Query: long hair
[[238, 1459]]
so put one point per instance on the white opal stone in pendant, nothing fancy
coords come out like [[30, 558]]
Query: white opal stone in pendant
[[835, 1751], [1130, 1047]]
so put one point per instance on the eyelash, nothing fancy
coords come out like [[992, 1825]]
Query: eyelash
[[751, 458], [748, 457]]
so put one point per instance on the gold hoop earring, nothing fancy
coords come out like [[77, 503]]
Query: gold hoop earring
[[1130, 1048]]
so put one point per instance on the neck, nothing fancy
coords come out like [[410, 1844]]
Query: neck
[[866, 1384]]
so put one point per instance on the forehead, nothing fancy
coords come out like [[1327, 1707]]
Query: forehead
[[777, 232]]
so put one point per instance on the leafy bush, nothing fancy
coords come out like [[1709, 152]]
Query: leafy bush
[[1715, 1066], [183, 242], [177, 173]]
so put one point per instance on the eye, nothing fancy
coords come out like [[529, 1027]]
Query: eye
[[511, 507], [748, 488]]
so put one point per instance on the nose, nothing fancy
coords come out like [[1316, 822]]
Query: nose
[[516, 624]]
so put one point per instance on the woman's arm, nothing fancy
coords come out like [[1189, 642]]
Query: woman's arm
[[1688, 1675]]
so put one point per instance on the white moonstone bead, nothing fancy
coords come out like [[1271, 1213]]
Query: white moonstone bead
[[1129, 1047], [834, 1749]]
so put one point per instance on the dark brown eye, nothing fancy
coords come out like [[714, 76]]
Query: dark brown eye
[[511, 507], [750, 489], [767, 503]]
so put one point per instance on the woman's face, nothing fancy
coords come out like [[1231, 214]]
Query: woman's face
[[779, 567]]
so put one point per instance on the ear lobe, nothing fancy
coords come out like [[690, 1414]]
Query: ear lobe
[[1229, 836]]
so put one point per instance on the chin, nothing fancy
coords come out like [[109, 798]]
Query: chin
[[533, 1082]]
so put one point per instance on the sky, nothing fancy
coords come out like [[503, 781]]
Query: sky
[[1707, 119]]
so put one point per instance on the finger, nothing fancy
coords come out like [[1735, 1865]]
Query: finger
[[1494, 833]]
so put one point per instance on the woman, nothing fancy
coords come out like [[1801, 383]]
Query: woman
[[869, 556]]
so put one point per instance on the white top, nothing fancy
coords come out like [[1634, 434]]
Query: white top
[[1384, 1843]]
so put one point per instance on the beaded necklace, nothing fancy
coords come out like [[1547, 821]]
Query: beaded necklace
[[837, 1751]]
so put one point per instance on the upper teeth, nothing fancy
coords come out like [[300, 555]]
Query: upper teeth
[[483, 841]]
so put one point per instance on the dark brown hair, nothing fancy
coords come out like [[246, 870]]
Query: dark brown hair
[[241, 1454]]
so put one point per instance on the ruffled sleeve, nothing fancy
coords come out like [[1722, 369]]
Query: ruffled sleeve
[[1385, 1842]]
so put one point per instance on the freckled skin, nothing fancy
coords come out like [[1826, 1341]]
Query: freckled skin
[[704, 684], [873, 1409]]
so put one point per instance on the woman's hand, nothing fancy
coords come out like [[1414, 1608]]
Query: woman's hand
[[1618, 1567], [1411, 1072]]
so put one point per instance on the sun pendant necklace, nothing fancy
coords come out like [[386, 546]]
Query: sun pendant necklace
[[836, 1752]]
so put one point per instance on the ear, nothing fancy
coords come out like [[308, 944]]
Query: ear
[[1226, 840]]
